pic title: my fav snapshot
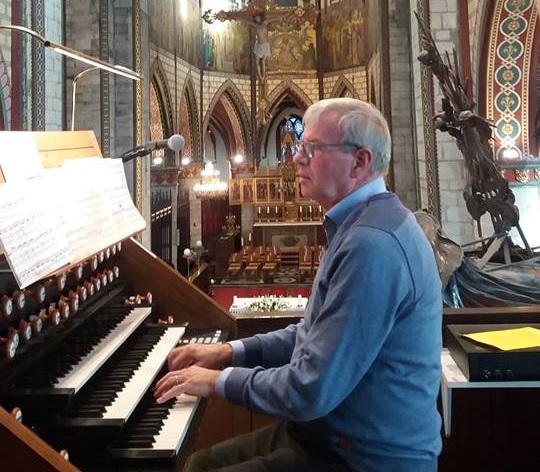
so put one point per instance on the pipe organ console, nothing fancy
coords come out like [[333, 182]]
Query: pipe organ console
[[82, 346], [81, 351]]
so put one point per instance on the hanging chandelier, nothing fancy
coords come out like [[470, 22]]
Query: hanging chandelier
[[210, 186]]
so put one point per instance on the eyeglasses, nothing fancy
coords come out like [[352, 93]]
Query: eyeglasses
[[309, 148]]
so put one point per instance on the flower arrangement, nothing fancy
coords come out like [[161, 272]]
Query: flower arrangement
[[268, 303]]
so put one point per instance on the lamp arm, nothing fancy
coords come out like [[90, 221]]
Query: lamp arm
[[74, 92], [72, 53], [24, 30]]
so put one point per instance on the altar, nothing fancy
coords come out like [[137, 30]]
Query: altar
[[294, 233]]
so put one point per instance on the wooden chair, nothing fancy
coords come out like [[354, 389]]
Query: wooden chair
[[305, 261], [269, 267], [235, 265]]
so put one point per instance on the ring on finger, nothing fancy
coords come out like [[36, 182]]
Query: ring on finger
[[176, 381]]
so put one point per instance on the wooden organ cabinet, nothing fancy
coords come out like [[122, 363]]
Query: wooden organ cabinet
[[82, 348]]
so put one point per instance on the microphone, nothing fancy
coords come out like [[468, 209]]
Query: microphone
[[174, 143]]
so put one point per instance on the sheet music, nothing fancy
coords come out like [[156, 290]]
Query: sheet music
[[65, 216], [20, 157], [85, 214], [31, 235], [98, 210], [126, 218]]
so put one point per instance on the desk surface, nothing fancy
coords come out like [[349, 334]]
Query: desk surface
[[453, 377]]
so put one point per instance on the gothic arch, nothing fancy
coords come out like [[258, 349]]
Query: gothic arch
[[343, 88], [188, 121], [228, 110], [290, 89], [286, 93], [159, 85]]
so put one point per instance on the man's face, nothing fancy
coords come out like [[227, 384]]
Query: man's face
[[327, 176]]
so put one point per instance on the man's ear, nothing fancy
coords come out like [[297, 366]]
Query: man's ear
[[362, 158]]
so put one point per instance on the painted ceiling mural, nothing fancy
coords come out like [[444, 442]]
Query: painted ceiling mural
[[228, 42], [177, 22], [343, 35]]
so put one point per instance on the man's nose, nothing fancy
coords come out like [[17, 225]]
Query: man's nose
[[300, 157]]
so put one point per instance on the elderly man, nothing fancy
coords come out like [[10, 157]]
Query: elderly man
[[355, 382]]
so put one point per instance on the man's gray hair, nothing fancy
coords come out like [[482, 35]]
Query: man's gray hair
[[360, 123]]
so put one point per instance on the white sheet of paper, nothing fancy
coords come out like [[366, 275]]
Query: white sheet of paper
[[19, 158], [31, 234]]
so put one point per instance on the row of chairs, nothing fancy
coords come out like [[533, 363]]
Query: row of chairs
[[252, 260], [263, 261]]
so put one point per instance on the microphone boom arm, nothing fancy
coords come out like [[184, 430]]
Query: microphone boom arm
[[138, 151], [174, 143]]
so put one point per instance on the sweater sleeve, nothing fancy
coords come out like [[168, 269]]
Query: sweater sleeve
[[271, 349]]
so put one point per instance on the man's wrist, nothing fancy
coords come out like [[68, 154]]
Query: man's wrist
[[219, 386], [226, 355], [238, 353]]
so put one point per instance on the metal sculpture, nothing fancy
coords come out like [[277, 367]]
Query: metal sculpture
[[487, 191]]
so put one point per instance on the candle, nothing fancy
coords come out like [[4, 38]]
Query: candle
[[242, 241], [249, 236]]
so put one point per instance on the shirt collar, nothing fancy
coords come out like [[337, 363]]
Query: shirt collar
[[342, 209]]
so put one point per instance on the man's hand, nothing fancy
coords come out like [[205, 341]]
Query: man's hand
[[193, 380], [211, 356]]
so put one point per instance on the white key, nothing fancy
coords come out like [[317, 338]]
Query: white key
[[89, 364], [128, 398], [175, 426]]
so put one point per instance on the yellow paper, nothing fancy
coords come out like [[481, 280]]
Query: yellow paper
[[507, 339]]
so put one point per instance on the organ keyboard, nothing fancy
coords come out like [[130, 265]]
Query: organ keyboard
[[84, 384], [83, 370]]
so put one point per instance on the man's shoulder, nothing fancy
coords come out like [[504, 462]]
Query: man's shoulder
[[384, 209]]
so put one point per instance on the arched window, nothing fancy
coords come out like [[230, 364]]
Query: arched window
[[290, 132]]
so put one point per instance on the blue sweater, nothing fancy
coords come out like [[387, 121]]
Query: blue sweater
[[362, 369]]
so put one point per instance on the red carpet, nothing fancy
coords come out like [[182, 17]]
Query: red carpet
[[224, 295]]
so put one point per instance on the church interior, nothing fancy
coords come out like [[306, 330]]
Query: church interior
[[202, 102]]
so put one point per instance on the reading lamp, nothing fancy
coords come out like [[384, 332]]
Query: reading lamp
[[79, 56]]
